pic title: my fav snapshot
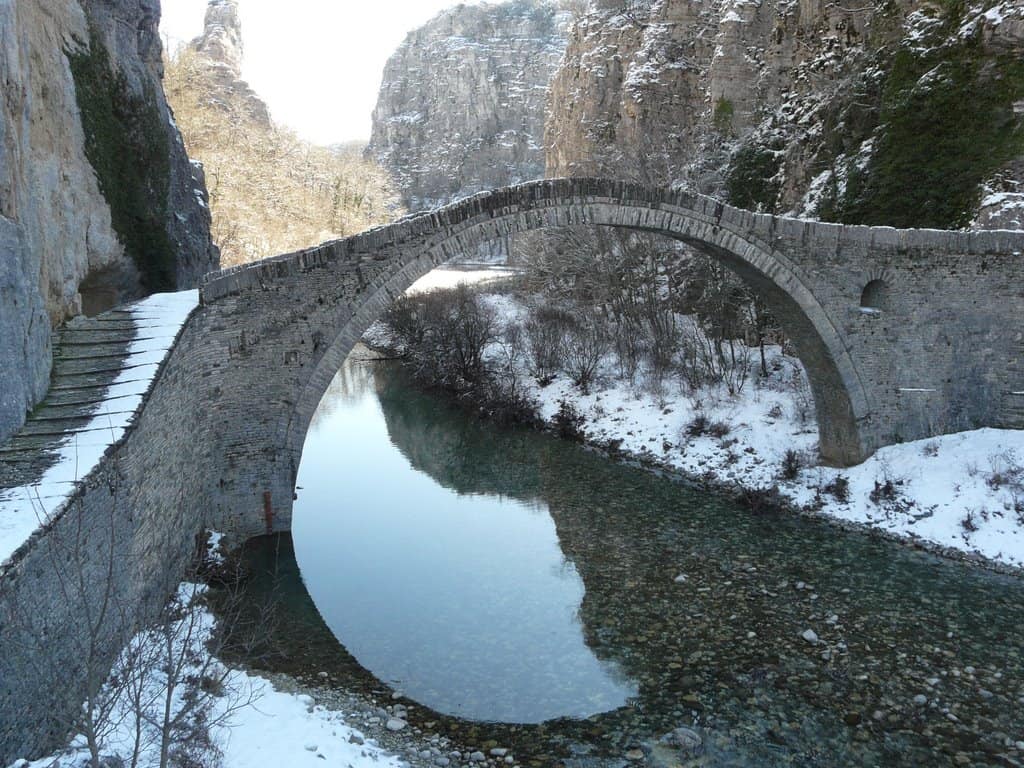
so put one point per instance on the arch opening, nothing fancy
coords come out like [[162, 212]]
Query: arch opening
[[440, 237], [874, 299]]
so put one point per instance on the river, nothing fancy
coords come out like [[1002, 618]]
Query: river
[[521, 590]]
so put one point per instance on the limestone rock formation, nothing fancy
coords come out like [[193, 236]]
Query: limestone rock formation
[[220, 50], [461, 106], [98, 200], [901, 112]]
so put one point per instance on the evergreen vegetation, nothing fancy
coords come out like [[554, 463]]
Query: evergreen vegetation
[[127, 145]]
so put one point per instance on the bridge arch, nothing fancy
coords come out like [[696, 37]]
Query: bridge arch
[[411, 248]]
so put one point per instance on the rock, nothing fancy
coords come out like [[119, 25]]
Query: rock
[[499, 752], [810, 636], [355, 738], [477, 757], [635, 755], [680, 579], [219, 49], [688, 741], [644, 96], [920, 700], [56, 225], [395, 724], [310, 747], [442, 761], [462, 103]]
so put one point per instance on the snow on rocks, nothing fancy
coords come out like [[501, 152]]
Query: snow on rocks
[[25, 508]]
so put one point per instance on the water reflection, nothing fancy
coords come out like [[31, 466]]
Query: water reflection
[[465, 604], [917, 662]]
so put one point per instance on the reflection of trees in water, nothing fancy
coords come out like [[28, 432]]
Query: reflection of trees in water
[[454, 448], [686, 644], [351, 383]]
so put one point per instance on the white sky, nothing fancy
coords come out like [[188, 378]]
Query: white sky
[[317, 63]]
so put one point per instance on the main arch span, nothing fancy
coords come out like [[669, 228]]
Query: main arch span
[[903, 333]]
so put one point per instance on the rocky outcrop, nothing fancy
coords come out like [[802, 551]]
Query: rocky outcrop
[[220, 51], [461, 106], [98, 200], [900, 113]]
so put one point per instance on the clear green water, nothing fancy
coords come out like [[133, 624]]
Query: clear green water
[[502, 575]]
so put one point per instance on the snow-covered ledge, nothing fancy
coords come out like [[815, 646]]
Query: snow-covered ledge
[[26, 508]]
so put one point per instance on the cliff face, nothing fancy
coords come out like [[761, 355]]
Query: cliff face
[[894, 112], [461, 107], [220, 51], [98, 200]]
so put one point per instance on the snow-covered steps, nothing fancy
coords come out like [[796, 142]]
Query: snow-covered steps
[[102, 369]]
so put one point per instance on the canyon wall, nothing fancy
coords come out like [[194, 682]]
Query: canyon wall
[[462, 103], [895, 112], [98, 200]]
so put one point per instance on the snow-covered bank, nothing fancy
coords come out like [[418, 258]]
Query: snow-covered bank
[[963, 492], [25, 508], [254, 724]]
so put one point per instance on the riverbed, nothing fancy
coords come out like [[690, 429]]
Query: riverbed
[[518, 592]]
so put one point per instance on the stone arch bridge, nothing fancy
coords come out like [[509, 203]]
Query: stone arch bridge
[[904, 334]]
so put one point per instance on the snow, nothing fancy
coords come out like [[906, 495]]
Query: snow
[[450, 277], [23, 509], [962, 491], [255, 724]]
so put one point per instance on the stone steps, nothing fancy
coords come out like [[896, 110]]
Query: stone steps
[[88, 355]]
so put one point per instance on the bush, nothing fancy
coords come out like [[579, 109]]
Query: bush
[[586, 344], [839, 488], [884, 491], [762, 501], [698, 426], [719, 429], [569, 422], [792, 463], [546, 330]]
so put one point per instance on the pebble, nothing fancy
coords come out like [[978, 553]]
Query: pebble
[[442, 761], [396, 724], [810, 636], [635, 755], [499, 752], [310, 747], [680, 578], [920, 700], [477, 757]]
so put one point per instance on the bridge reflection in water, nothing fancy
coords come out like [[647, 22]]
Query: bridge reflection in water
[[720, 651]]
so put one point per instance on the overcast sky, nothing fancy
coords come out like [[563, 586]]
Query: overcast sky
[[317, 63]]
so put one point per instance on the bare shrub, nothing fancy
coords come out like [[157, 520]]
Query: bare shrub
[[792, 463], [762, 501], [546, 331], [698, 425], [586, 344], [839, 488]]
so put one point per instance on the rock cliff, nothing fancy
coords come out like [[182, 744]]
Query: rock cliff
[[98, 200], [461, 107], [895, 112], [220, 51]]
